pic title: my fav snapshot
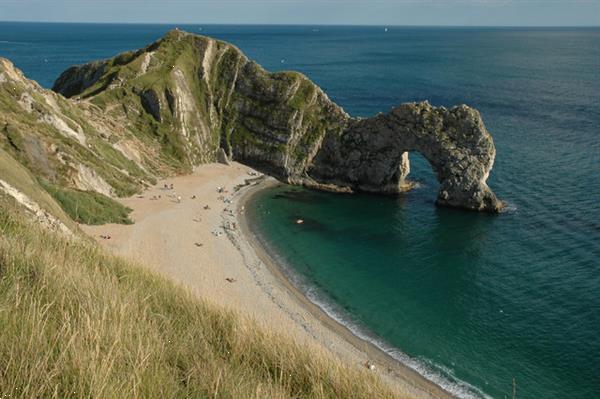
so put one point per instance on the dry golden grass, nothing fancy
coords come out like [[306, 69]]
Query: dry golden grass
[[78, 322]]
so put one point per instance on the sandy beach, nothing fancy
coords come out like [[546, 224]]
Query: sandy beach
[[196, 233]]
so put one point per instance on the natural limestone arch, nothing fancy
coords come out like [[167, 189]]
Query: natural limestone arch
[[372, 154]]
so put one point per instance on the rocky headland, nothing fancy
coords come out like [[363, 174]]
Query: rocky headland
[[114, 126]]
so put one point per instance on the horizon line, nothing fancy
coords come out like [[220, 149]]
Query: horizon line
[[298, 24]]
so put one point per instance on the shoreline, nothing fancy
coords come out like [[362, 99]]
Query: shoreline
[[394, 368], [197, 235]]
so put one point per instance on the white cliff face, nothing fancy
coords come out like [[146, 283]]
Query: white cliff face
[[39, 214], [146, 62], [87, 179]]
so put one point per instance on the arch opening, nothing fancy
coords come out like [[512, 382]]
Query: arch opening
[[419, 175]]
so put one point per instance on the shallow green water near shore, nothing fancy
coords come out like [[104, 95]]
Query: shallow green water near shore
[[471, 297]]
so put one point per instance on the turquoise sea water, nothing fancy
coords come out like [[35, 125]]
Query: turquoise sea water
[[473, 301]]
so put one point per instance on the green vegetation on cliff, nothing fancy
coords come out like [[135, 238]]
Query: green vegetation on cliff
[[158, 111], [89, 207], [17, 176]]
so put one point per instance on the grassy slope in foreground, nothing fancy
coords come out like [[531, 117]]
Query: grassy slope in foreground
[[78, 322]]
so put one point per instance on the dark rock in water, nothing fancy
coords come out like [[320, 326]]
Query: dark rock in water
[[209, 102]]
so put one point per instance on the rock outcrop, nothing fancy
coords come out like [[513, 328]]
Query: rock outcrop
[[372, 154], [72, 144], [81, 77], [191, 99], [222, 157]]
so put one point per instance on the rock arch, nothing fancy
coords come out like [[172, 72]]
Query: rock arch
[[372, 154]]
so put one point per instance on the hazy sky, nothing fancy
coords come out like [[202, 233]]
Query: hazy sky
[[377, 12]]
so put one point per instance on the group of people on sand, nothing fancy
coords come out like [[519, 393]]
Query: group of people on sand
[[105, 236], [174, 196], [227, 225], [217, 232]]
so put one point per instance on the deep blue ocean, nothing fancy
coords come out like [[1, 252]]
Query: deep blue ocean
[[473, 301]]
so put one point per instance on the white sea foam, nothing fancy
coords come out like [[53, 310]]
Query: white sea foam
[[438, 374], [11, 42], [509, 207]]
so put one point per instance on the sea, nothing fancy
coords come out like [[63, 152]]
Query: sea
[[497, 306]]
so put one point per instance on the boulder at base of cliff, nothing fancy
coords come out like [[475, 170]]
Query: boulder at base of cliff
[[222, 157]]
